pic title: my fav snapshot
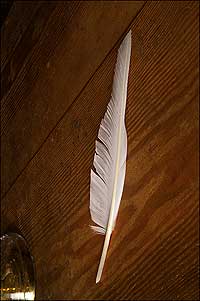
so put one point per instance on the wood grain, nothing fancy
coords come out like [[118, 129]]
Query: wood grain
[[23, 49], [154, 249], [14, 27], [58, 54]]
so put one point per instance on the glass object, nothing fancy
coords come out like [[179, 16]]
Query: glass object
[[17, 269]]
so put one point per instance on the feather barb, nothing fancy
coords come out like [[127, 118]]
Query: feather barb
[[110, 158]]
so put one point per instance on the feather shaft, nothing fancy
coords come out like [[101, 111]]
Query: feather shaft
[[110, 222], [110, 155]]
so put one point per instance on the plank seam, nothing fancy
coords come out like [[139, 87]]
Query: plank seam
[[68, 109]]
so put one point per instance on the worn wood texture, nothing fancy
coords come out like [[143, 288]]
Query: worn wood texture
[[154, 249], [58, 54], [14, 27]]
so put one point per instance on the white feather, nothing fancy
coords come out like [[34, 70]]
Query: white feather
[[107, 180]]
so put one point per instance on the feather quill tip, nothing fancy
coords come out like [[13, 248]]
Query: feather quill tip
[[98, 279]]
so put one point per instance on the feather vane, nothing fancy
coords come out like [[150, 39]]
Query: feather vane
[[107, 181]]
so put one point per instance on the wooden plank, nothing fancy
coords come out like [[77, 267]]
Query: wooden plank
[[23, 50], [71, 47], [154, 250], [16, 23], [5, 8]]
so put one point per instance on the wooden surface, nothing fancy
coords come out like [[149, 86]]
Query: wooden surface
[[56, 82], [54, 60]]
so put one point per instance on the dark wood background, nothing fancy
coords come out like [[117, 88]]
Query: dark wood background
[[57, 64]]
